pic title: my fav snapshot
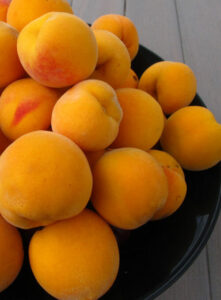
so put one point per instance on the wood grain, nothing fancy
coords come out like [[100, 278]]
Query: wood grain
[[200, 25], [90, 10], [156, 22]]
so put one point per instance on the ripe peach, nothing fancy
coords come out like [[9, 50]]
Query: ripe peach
[[89, 114], [31, 10], [26, 106], [3, 9], [58, 49], [193, 137], [113, 64], [176, 183], [44, 177], [166, 160], [143, 120], [10, 66], [131, 80], [173, 84], [83, 249], [11, 254], [129, 187], [123, 28]]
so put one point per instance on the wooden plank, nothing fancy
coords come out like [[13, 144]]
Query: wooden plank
[[214, 252], [159, 30], [90, 10], [193, 285], [157, 26], [200, 23]]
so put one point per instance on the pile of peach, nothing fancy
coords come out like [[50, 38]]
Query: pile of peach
[[77, 125]]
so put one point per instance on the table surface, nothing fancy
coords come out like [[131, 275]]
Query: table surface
[[188, 31]]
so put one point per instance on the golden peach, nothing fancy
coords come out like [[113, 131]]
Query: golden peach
[[89, 114], [193, 137], [129, 187], [85, 251], [143, 120], [173, 84], [44, 177], [56, 59]]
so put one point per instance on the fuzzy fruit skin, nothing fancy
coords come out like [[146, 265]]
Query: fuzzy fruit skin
[[44, 177], [129, 187], [26, 106], [89, 253], [172, 84], [193, 137], [143, 120], [89, 114], [123, 28], [53, 58], [33, 9], [177, 186], [10, 66]]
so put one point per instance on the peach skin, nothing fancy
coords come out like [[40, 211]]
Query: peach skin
[[10, 66], [4, 4], [26, 106], [129, 187], [56, 59], [89, 114], [11, 254], [30, 10], [131, 80], [177, 186], [173, 84], [44, 177], [193, 137], [89, 253], [113, 64], [123, 28], [143, 120]]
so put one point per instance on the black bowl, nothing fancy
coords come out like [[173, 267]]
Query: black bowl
[[154, 256]]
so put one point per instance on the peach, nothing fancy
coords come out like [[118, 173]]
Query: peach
[[11, 254], [193, 137], [10, 66], [129, 187], [123, 28], [58, 49], [143, 120], [26, 106], [44, 177], [173, 84], [113, 64], [177, 186], [4, 9], [83, 249], [89, 114], [131, 80], [31, 10], [167, 161]]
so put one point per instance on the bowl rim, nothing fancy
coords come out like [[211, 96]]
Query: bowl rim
[[204, 236]]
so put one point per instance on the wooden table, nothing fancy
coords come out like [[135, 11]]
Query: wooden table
[[189, 31]]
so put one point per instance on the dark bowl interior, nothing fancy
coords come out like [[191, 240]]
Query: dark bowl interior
[[154, 256]]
